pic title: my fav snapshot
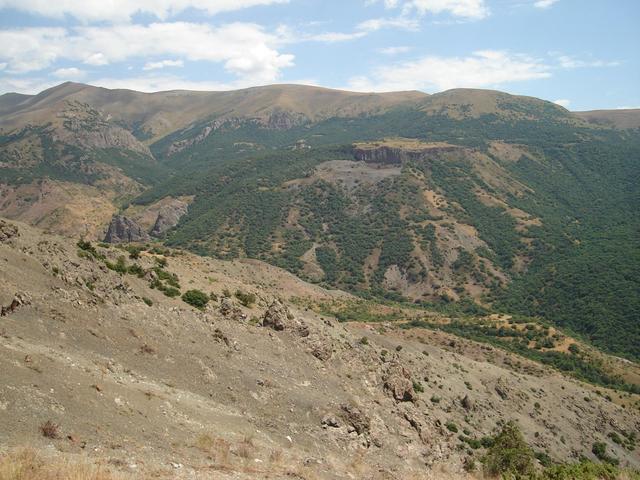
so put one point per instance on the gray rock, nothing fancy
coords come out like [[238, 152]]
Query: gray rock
[[276, 316], [397, 381], [8, 232], [168, 217], [124, 230]]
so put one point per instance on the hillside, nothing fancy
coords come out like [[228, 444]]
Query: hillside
[[622, 119], [129, 376], [488, 201]]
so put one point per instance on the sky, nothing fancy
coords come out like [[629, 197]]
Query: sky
[[581, 54]]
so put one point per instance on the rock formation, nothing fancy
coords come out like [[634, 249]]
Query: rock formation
[[123, 230]]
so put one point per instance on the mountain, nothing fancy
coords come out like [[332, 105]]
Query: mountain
[[469, 199], [149, 362], [622, 119]]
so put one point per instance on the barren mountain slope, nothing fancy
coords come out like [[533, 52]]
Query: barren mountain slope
[[623, 118], [154, 115], [173, 392]]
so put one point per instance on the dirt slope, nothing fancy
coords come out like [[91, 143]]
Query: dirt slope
[[168, 391]]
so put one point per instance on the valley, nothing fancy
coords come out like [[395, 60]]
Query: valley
[[298, 282]]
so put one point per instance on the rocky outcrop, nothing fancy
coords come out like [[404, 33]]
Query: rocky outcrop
[[276, 316], [19, 300], [85, 127], [356, 419], [8, 232], [397, 381], [283, 120], [168, 217], [395, 155], [124, 230]]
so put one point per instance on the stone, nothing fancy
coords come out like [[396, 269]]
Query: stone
[[276, 316], [124, 230], [168, 217], [397, 381]]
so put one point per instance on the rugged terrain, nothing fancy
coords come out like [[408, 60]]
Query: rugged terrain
[[492, 202], [253, 387]]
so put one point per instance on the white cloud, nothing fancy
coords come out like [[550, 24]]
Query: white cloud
[[244, 49], [162, 64], [123, 10], [394, 50], [544, 3], [628, 108], [568, 62], [563, 102], [375, 24], [25, 85], [486, 68], [468, 9], [287, 34], [334, 37], [71, 73]]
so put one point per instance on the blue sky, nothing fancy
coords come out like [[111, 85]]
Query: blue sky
[[582, 54]]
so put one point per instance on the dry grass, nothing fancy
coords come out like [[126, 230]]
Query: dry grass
[[27, 464], [217, 448]]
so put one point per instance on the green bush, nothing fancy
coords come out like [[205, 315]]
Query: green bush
[[510, 455], [120, 266], [196, 298], [599, 449], [246, 299]]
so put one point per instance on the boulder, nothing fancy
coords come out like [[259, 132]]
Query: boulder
[[397, 381], [19, 300], [356, 419], [276, 316], [124, 230], [8, 232]]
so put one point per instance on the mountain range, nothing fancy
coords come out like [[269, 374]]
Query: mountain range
[[473, 200]]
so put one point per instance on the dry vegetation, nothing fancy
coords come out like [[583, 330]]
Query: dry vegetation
[[27, 464]]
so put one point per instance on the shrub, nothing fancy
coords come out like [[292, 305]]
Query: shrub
[[599, 449], [87, 249], [170, 291], [120, 266], [246, 299], [364, 341], [136, 270], [50, 429], [148, 301], [196, 298], [417, 387], [452, 427], [509, 454]]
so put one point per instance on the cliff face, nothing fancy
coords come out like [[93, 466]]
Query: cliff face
[[123, 230], [396, 154], [168, 217]]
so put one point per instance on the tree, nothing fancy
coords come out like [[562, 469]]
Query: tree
[[196, 298], [510, 456]]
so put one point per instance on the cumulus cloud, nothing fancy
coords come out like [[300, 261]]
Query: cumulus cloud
[[244, 49], [486, 68], [467, 9], [162, 64], [563, 102], [71, 73], [124, 10]]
